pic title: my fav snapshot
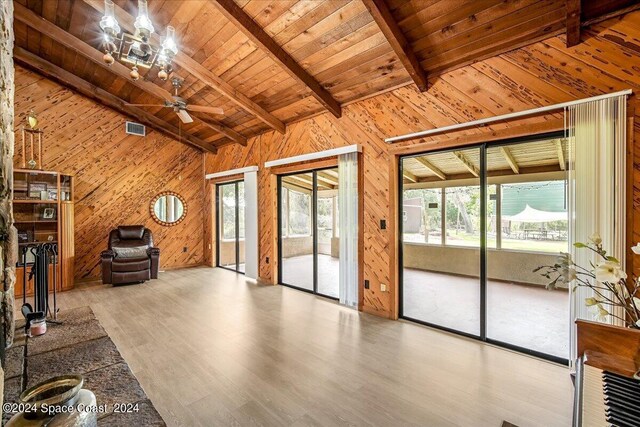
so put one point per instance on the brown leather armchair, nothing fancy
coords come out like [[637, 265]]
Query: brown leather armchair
[[131, 256]]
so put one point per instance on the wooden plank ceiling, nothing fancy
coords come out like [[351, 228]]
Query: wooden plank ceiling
[[548, 155], [312, 56]]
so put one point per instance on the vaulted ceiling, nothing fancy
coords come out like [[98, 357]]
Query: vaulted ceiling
[[271, 62]]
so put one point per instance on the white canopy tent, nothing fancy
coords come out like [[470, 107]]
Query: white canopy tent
[[530, 214]]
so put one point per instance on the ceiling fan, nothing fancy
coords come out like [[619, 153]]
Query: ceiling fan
[[180, 105]]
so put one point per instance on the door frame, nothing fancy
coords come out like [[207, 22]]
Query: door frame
[[219, 224], [314, 227], [482, 146]]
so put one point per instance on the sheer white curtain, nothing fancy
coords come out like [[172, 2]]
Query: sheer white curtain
[[251, 237], [596, 133], [348, 223]]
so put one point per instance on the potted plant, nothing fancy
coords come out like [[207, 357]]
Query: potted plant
[[605, 278]]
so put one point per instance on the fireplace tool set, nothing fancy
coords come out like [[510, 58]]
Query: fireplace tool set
[[39, 256]]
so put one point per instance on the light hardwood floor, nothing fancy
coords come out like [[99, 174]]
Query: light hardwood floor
[[212, 348]]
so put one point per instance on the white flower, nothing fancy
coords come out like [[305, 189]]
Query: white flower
[[596, 239], [601, 313], [590, 301], [636, 248], [610, 271], [570, 275]]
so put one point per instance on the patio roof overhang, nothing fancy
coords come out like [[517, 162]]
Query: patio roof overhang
[[534, 161]]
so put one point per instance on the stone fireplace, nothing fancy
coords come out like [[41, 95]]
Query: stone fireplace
[[8, 238]]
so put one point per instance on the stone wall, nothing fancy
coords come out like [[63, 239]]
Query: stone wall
[[8, 242]]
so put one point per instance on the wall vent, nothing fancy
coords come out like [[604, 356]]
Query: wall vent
[[135, 128]]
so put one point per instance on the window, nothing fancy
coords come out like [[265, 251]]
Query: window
[[299, 217], [462, 216], [326, 219], [534, 216], [228, 212], [422, 216]]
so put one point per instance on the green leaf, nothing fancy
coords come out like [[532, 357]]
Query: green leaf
[[579, 245], [613, 259]]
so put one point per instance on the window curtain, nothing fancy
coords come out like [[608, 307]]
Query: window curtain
[[251, 237], [348, 223], [596, 135]]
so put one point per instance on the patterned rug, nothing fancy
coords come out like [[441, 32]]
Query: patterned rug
[[79, 345]]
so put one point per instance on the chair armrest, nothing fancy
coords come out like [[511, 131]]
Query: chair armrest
[[106, 258], [108, 254], [154, 254]]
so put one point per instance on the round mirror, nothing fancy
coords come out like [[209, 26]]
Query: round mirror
[[168, 208]]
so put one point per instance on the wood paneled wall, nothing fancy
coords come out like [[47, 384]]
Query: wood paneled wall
[[540, 74], [117, 175]]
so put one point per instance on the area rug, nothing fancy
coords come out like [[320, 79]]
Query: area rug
[[79, 345]]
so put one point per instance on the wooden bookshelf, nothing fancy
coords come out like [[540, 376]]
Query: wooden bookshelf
[[43, 213]]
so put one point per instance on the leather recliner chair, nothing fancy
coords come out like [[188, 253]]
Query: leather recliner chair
[[131, 256]]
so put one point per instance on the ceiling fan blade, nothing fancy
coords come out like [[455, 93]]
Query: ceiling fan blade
[[146, 105], [184, 116], [205, 109]]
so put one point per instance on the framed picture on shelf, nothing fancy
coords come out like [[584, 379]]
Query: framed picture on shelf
[[36, 189], [52, 195], [48, 213]]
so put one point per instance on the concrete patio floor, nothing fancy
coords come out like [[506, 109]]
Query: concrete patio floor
[[525, 316]]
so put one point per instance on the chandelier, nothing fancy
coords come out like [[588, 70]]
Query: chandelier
[[136, 49]]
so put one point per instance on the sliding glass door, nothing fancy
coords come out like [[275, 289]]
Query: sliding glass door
[[308, 236], [296, 234], [475, 224], [529, 228], [441, 240], [230, 226]]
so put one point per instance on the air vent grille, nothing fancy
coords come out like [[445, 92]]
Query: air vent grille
[[135, 129]]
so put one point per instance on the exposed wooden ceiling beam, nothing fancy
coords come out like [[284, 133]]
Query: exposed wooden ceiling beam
[[258, 36], [593, 12], [330, 178], [38, 23], [200, 72], [510, 160], [327, 179], [544, 172], [434, 170], [68, 40], [309, 180], [467, 163], [574, 10], [409, 176], [391, 30], [87, 89], [295, 181], [228, 132], [561, 159]]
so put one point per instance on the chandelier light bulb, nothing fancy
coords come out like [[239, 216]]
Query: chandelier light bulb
[[169, 46], [136, 47], [134, 74], [142, 23], [108, 23]]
